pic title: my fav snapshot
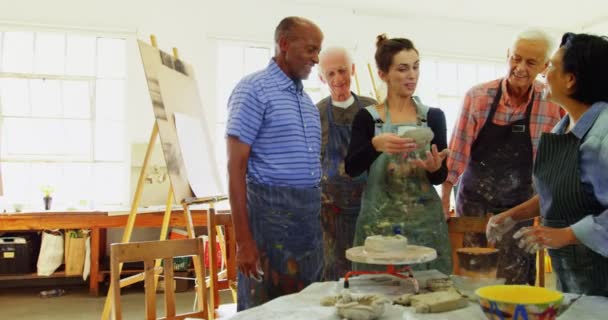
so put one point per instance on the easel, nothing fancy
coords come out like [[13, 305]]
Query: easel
[[371, 76], [204, 310], [357, 83]]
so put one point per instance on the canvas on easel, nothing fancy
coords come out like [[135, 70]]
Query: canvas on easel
[[175, 97]]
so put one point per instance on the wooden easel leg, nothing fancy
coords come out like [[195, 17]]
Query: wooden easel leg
[[164, 229], [371, 76], [126, 236], [357, 82], [199, 269]]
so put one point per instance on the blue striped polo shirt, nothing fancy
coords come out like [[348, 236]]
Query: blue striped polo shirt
[[271, 112]]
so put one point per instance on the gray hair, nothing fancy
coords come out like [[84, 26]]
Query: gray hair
[[535, 34], [334, 51]]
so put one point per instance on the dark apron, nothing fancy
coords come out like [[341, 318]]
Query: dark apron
[[341, 199], [285, 225], [578, 269], [498, 177]]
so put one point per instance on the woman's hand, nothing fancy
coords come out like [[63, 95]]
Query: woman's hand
[[433, 160], [535, 238], [392, 143]]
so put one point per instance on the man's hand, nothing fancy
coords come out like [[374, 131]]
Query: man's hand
[[247, 256], [498, 226], [392, 143], [536, 238], [248, 260], [433, 160]]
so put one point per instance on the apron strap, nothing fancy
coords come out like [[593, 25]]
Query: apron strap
[[495, 102], [377, 120], [422, 111]]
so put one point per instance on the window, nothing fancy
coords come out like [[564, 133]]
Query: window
[[444, 82], [234, 61], [314, 87], [62, 118]]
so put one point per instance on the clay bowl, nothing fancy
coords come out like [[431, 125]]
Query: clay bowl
[[517, 302], [478, 262]]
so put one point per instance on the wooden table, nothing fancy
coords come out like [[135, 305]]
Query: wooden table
[[99, 221]]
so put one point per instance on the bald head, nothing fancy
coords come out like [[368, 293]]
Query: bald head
[[288, 28], [297, 46]]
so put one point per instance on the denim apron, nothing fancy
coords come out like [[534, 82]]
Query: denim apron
[[341, 199], [285, 225]]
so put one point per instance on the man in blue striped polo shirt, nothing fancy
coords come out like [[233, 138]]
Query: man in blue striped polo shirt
[[273, 143]]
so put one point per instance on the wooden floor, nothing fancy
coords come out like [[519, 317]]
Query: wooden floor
[[25, 304]]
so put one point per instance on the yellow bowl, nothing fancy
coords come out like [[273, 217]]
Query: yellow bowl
[[519, 302]]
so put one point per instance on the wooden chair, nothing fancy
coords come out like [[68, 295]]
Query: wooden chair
[[458, 226], [223, 272], [148, 252]]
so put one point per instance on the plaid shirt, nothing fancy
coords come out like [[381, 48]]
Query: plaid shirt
[[475, 111]]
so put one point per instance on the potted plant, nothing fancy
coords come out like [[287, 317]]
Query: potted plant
[[47, 190]]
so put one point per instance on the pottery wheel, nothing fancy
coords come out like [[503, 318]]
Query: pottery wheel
[[410, 255]]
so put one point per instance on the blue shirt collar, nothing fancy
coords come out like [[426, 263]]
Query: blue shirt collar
[[584, 123], [282, 80]]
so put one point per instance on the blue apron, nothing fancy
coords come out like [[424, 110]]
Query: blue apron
[[284, 222], [341, 199]]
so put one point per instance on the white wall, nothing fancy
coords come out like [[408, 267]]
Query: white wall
[[599, 28], [192, 26]]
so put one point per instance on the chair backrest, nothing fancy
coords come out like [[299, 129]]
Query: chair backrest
[[457, 227], [149, 252]]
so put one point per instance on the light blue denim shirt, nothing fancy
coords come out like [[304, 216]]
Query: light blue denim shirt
[[592, 129]]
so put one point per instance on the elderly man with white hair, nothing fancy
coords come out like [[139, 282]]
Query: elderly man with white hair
[[493, 146], [341, 194]]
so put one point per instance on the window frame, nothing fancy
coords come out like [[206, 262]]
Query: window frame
[[63, 160]]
